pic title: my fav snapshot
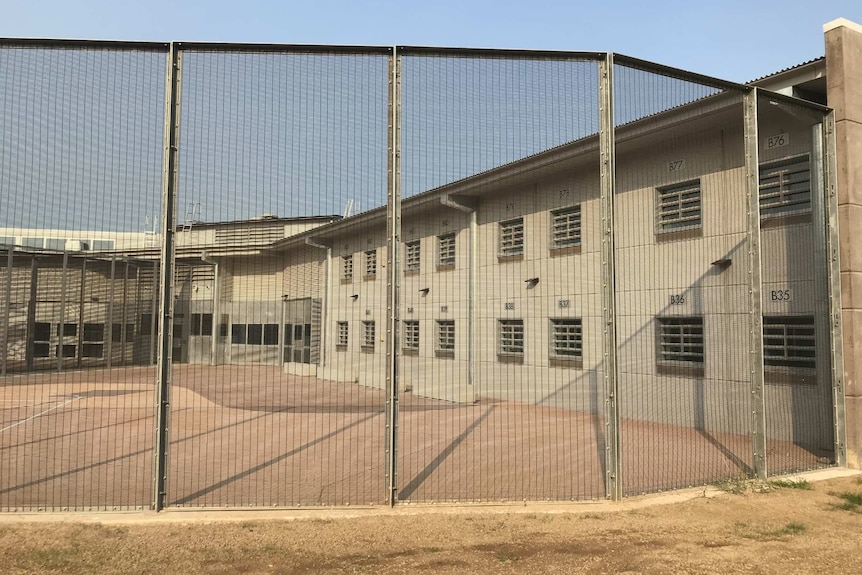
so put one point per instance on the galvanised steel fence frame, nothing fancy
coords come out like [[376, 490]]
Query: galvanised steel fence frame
[[608, 68]]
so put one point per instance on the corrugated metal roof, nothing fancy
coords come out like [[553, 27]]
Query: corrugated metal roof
[[812, 61]]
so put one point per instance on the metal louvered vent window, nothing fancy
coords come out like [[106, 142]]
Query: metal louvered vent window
[[567, 338], [678, 207], [411, 334], [342, 333], [446, 250], [789, 341], [371, 264], [347, 267], [412, 255], [785, 187], [511, 337], [446, 335], [680, 339], [512, 237], [566, 227]]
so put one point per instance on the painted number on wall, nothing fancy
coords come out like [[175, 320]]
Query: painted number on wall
[[777, 141], [564, 303], [509, 305], [676, 166], [781, 295], [677, 299]]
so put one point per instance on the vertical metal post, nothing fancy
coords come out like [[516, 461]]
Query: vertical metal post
[[124, 313], [393, 233], [217, 313], [31, 312], [613, 464], [830, 201], [755, 336], [471, 301], [8, 309], [109, 340], [154, 317], [80, 339], [62, 327], [168, 256]]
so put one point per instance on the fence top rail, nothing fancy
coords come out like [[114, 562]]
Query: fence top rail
[[254, 47], [678, 73], [84, 44], [499, 53], [792, 101]]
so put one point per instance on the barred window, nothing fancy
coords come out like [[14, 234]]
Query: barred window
[[347, 267], [446, 250], [678, 207], [371, 264], [369, 335], [566, 227], [567, 338], [785, 187], [680, 339], [411, 334], [511, 336], [446, 335], [412, 255], [342, 333], [789, 341], [512, 237]]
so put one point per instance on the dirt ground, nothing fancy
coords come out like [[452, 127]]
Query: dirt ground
[[773, 529]]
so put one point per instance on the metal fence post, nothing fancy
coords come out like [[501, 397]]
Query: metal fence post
[[168, 254], [10, 251], [393, 229], [833, 266], [613, 483], [755, 339]]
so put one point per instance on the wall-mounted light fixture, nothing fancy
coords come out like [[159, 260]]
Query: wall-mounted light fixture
[[424, 291], [531, 283], [355, 296]]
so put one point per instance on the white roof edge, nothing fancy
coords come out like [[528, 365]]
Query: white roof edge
[[839, 22]]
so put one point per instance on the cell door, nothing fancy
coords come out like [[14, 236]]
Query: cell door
[[297, 343]]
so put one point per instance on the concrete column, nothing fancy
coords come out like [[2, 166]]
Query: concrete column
[[844, 95]]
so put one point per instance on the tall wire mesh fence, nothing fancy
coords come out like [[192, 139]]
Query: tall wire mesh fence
[[401, 274]]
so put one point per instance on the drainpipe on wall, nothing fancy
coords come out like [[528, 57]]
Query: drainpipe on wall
[[327, 286], [468, 205], [216, 309]]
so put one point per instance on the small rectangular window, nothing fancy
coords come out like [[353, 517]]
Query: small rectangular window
[[69, 329], [511, 238], [347, 267], [103, 244], [57, 244], [368, 335], [42, 331], [93, 350], [446, 336], [255, 334], [41, 349], [117, 332], [130, 332], [33, 242], [196, 324], [446, 250], [94, 332], [681, 339], [146, 323], [238, 333], [678, 207], [411, 334], [342, 334], [567, 338], [785, 187], [566, 227], [789, 341], [270, 334], [206, 324], [412, 256], [511, 337], [370, 264]]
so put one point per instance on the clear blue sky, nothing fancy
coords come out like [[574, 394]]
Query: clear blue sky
[[736, 39]]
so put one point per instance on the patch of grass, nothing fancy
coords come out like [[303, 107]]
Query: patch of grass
[[851, 501], [741, 485], [788, 530], [592, 516], [802, 484], [433, 549], [504, 558]]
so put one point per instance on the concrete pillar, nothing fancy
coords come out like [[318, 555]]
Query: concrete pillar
[[844, 95]]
